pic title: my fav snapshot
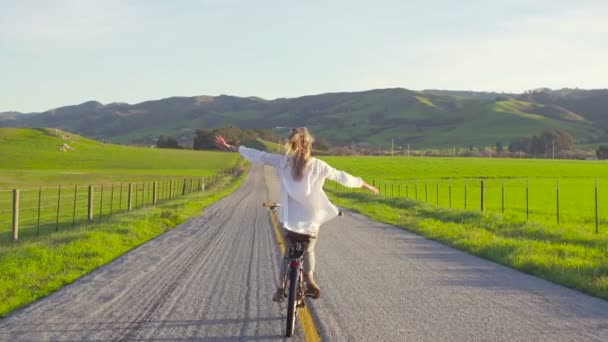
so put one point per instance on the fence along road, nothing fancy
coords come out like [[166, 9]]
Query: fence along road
[[212, 278]]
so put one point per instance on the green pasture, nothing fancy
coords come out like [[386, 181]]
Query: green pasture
[[34, 158], [521, 190], [53, 171]]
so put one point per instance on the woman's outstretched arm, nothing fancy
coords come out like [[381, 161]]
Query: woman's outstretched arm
[[251, 154]]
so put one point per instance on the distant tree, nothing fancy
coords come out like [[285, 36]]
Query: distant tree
[[321, 144], [549, 141], [602, 152], [167, 142], [204, 139], [499, 147]]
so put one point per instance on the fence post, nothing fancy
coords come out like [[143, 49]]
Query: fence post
[[120, 198], [399, 194], [15, 214], [416, 189], [202, 184], [392, 190], [558, 202], [450, 191], [184, 187], [74, 210], [58, 206], [191, 185], [482, 195], [170, 188], [130, 197], [90, 204]]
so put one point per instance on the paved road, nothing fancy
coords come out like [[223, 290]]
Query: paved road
[[212, 279]]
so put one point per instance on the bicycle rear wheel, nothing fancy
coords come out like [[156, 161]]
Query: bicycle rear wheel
[[292, 309]]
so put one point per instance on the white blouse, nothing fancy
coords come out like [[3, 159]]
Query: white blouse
[[304, 204]]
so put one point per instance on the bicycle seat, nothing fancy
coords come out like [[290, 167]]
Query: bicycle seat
[[271, 206], [297, 237]]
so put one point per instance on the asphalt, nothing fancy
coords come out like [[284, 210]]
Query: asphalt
[[212, 279]]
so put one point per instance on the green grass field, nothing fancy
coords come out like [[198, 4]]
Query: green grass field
[[444, 181], [34, 163], [32, 158]]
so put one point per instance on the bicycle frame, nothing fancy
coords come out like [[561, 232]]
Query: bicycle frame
[[293, 266]]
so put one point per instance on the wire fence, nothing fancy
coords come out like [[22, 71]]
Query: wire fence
[[570, 201], [36, 211]]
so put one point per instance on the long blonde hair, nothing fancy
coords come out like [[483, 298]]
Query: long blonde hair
[[299, 147]]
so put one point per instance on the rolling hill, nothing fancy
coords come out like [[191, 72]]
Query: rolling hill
[[431, 118]]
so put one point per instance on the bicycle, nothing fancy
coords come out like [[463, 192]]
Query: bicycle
[[293, 266]]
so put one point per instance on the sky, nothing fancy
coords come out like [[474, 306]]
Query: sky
[[59, 52]]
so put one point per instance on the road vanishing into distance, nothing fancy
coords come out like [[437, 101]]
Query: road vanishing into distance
[[212, 279]]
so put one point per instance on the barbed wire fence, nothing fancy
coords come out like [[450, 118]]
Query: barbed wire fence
[[567, 201]]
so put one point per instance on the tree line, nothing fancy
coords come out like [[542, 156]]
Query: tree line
[[547, 142], [204, 138]]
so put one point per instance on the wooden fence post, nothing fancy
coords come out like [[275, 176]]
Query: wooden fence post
[[184, 187], [130, 197], [90, 204], [15, 214], [202, 184], [450, 193], [170, 188]]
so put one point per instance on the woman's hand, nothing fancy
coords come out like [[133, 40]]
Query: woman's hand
[[371, 188], [221, 142]]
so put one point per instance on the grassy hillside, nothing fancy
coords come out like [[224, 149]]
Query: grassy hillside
[[422, 119], [50, 156]]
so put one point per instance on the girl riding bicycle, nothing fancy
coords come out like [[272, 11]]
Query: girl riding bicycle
[[304, 204]]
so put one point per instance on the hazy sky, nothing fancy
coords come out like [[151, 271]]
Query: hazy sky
[[60, 52]]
